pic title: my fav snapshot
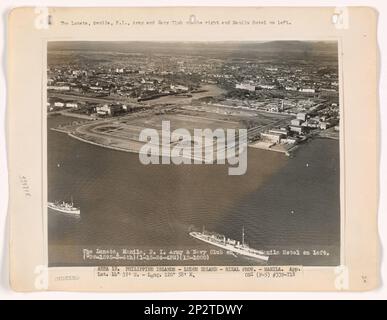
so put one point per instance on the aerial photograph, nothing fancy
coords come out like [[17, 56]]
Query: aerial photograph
[[107, 207]]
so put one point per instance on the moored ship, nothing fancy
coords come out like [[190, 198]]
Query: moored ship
[[64, 207], [228, 244]]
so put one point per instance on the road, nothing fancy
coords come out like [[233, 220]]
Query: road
[[79, 98], [210, 90]]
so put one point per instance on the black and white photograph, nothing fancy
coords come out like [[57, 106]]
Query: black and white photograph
[[193, 153]]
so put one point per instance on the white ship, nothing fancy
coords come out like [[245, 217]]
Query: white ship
[[64, 207], [231, 245]]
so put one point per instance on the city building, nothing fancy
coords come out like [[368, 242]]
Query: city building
[[301, 116], [297, 129], [311, 123], [245, 86], [71, 105], [282, 131], [267, 86], [307, 90], [296, 122], [290, 140], [59, 104], [324, 125], [109, 109], [95, 88], [179, 87], [59, 88], [272, 137]]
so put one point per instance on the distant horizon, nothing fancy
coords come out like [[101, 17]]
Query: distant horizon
[[162, 42], [243, 49]]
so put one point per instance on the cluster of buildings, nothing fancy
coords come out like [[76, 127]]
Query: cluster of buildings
[[277, 136], [60, 105], [313, 122], [258, 86], [298, 128], [304, 78], [276, 87], [97, 109], [146, 75], [112, 109], [140, 77]]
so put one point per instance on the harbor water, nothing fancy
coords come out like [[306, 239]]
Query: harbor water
[[287, 205]]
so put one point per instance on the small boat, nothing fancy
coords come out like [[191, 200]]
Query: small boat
[[64, 207]]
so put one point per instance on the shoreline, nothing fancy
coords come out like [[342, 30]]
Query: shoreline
[[288, 152], [98, 144], [127, 150], [136, 149]]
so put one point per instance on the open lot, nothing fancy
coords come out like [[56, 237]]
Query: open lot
[[123, 132]]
